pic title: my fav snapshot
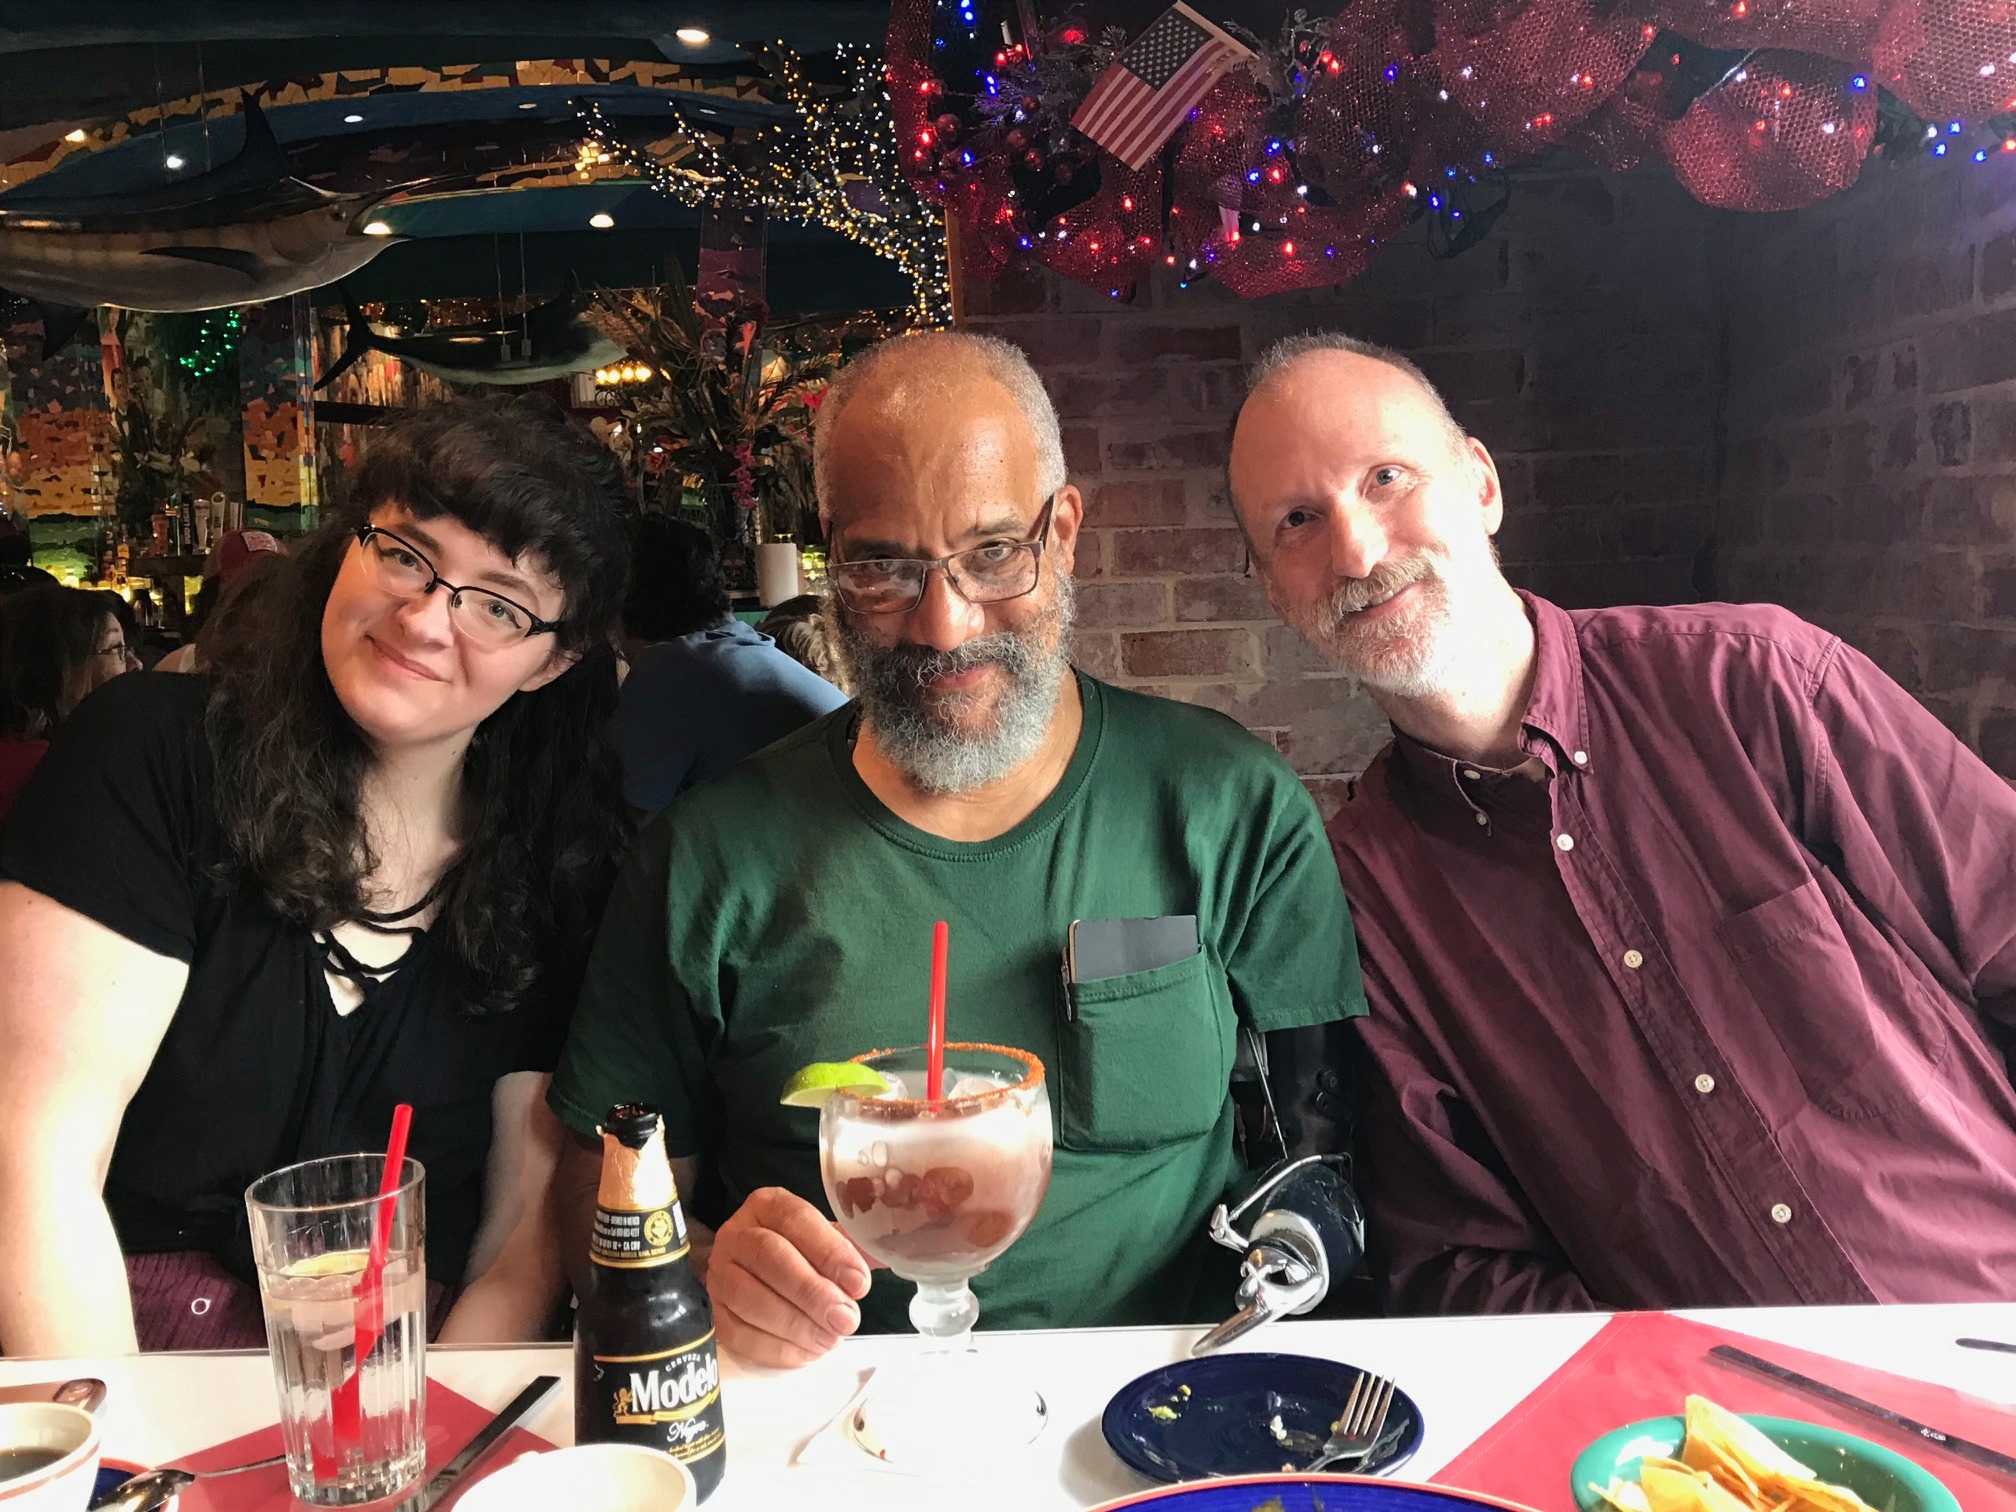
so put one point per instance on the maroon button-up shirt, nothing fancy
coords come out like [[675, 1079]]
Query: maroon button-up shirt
[[1704, 1013]]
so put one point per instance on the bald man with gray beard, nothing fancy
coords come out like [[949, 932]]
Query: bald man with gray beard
[[782, 915]]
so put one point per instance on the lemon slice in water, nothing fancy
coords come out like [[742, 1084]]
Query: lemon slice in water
[[812, 1085]]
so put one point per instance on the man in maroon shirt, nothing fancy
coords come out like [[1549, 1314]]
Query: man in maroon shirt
[[1689, 935]]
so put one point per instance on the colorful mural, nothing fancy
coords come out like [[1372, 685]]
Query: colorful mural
[[276, 366]]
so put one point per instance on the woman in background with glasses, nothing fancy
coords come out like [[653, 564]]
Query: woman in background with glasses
[[57, 645], [246, 914]]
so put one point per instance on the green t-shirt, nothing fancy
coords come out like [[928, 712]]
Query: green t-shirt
[[781, 914]]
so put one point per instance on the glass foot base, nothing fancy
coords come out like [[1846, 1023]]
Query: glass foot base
[[946, 1411]]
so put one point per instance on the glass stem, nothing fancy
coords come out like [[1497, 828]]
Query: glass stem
[[944, 1312]]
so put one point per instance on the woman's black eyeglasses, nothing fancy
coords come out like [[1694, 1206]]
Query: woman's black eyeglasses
[[482, 617]]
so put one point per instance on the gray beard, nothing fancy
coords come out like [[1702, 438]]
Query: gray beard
[[890, 684], [1382, 660]]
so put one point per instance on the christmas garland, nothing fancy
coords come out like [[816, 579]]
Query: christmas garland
[[1342, 130]]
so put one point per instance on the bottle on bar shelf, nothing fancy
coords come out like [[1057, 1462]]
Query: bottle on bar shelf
[[645, 1371]]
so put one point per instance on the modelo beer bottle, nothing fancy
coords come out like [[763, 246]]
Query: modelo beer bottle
[[645, 1371]]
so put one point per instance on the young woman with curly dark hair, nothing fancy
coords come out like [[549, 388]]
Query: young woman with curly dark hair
[[246, 914]]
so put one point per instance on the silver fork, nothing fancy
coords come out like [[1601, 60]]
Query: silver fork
[[1356, 1432]]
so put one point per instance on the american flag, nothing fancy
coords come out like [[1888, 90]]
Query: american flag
[[1140, 101]]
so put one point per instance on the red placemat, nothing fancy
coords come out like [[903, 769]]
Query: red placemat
[[1644, 1365], [452, 1420]]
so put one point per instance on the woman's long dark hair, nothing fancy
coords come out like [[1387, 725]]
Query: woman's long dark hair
[[47, 636], [542, 813]]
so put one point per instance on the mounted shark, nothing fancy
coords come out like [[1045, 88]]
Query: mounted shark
[[245, 231], [548, 341]]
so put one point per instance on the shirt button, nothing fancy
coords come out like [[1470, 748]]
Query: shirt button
[[1472, 774], [1781, 1213], [1483, 818], [1580, 758], [1704, 1084], [1566, 842], [1633, 959]]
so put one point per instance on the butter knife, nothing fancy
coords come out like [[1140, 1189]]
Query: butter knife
[[1972, 1452], [445, 1478]]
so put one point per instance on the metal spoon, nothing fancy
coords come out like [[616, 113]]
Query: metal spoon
[[155, 1488]]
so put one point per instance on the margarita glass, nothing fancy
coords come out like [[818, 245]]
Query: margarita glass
[[937, 1191]]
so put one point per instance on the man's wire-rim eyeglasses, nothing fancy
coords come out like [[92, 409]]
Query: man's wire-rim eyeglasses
[[419, 578], [990, 574]]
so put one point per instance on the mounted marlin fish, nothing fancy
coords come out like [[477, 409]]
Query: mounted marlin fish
[[548, 341], [244, 231]]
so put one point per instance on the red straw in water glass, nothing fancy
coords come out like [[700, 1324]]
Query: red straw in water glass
[[934, 1038], [345, 1415]]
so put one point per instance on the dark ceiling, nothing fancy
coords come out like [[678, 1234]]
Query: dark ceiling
[[92, 61]]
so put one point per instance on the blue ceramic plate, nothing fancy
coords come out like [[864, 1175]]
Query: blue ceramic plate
[[1214, 1416], [1305, 1493], [1884, 1479]]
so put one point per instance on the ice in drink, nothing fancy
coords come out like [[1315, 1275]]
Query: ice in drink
[[937, 1191], [311, 1332]]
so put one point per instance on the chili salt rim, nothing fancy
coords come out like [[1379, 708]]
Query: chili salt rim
[[887, 1107]]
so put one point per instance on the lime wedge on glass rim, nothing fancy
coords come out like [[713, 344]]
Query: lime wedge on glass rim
[[812, 1085]]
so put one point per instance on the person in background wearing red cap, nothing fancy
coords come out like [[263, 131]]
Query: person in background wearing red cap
[[223, 572]]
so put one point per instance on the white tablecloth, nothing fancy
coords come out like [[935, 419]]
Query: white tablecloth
[[1464, 1372]]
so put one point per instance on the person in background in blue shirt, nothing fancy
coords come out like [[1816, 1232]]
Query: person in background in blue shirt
[[704, 690]]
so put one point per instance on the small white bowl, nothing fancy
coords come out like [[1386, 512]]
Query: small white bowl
[[585, 1478]]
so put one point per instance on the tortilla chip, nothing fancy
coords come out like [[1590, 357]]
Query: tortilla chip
[[1751, 1469], [1716, 1435], [1626, 1496], [1672, 1487]]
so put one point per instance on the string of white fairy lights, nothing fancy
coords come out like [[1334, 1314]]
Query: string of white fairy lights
[[802, 170]]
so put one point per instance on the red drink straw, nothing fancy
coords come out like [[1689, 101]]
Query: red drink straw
[[344, 1413], [934, 1038]]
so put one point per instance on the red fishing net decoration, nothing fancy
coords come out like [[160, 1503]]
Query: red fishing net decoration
[[1213, 153], [1950, 58], [1529, 72], [1358, 123], [1109, 240], [1844, 30], [1630, 127], [1780, 132]]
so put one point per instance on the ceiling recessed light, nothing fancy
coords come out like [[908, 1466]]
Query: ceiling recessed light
[[352, 120], [377, 228], [529, 105], [692, 36], [601, 220], [74, 136], [172, 161]]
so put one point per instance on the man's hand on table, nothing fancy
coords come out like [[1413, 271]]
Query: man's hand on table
[[784, 1281]]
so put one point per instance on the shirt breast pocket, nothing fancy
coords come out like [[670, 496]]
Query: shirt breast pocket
[[1863, 1035], [1147, 1059]]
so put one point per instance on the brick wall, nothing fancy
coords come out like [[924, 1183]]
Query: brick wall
[[1872, 426], [1579, 343]]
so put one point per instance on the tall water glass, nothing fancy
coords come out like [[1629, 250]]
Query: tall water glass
[[311, 1238]]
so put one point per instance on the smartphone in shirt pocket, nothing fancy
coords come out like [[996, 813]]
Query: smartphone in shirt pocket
[[1145, 1049]]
